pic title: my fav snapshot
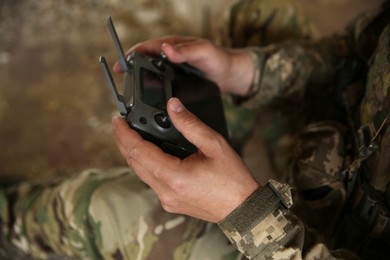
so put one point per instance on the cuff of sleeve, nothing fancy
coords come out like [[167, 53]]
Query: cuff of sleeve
[[258, 58], [254, 225]]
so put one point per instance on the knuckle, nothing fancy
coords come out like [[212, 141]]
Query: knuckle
[[130, 155], [167, 208], [168, 203], [133, 152], [176, 185], [206, 43], [218, 143], [160, 175]]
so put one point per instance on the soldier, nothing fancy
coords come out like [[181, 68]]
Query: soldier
[[113, 215]]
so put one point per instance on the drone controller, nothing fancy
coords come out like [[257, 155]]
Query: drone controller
[[149, 83]]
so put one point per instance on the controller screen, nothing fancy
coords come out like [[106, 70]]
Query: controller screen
[[152, 89]]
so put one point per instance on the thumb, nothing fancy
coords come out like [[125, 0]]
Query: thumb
[[192, 128]]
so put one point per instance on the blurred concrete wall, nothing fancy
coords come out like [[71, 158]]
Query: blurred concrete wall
[[55, 107]]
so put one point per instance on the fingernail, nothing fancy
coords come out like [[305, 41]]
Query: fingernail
[[163, 46], [168, 45], [175, 105], [114, 122]]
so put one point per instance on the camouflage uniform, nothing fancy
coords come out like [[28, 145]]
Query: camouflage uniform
[[104, 214], [111, 214], [313, 122]]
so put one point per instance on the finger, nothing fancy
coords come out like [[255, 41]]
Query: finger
[[125, 137], [193, 129], [193, 52], [146, 176], [202, 54], [134, 148], [148, 162], [153, 47], [158, 186]]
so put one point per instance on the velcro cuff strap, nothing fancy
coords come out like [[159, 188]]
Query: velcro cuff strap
[[267, 203], [258, 206]]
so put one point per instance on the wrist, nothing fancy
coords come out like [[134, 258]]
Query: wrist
[[257, 203], [255, 75], [236, 199], [241, 72], [263, 206], [251, 85]]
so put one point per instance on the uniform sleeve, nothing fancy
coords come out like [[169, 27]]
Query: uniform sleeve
[[291, 70], [298, 75], [263, 228]]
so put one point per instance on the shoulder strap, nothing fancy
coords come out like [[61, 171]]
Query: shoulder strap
[[370, 137]]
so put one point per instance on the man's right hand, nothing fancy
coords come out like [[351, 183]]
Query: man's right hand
[[208, 185]]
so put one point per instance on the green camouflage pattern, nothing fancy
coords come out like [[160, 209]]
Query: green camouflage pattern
[[376, 100], [319, 160], [364, 219], [258, 23], [262, 22], [106, 214], [262, 228], [240, 121], [290, 72], [320, 155], [308, 156], [318, 151]]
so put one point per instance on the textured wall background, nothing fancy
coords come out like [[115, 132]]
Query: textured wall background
[[55, 107]]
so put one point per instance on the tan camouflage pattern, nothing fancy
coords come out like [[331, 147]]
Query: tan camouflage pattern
[[278, 235], [262, 22], [106, 214], [283, 191], [266, 237], [266, 206]]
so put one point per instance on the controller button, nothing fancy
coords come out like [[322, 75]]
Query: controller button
[[143, 120], [159, 64], [162, 120]]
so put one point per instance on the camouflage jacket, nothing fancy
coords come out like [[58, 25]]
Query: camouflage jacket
[[301, 78]]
